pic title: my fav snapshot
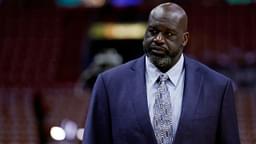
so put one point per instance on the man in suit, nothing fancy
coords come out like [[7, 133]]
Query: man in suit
[[192, 105]]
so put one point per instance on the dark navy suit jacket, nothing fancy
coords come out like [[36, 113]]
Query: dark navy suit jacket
[[118, 112]]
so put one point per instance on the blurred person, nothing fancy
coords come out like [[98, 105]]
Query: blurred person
[[105, 59], [163, 97]]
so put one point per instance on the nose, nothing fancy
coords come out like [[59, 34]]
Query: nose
[[159, 39]]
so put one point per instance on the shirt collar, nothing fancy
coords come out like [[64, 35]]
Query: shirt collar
[[174, 73]]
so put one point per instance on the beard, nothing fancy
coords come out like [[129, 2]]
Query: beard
[[163, 63]]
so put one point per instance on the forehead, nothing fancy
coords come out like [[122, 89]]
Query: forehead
[[164, 23], [164, 18]]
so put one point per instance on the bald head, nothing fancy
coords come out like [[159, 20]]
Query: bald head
[[171, 11]]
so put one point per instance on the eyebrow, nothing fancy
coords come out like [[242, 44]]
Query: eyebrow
[[150, 26]]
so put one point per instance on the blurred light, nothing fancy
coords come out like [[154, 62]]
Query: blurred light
[[93, 3], [57, 133], [124, 3], [239, 2], [70, 129], [80, 134], [117, 30], [68, 3]]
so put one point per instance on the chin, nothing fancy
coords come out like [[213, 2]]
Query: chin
[[161, 63]]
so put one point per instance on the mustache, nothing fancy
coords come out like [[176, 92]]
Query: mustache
[[158, 47], [153, 46]]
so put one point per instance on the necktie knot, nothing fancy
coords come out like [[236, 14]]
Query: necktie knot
[[163, 78]]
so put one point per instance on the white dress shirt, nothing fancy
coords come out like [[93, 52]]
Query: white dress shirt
[[175, 87]]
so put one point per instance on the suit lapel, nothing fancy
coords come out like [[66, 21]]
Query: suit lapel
[[192, 86], [139, 99]]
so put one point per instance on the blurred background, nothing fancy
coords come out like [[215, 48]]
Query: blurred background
[[52, 50]]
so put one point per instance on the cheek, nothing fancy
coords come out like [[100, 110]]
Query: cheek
[[174, 44], [146, 42], [174, 48]]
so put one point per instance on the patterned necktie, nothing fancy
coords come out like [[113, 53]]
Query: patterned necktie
[[162, 122]]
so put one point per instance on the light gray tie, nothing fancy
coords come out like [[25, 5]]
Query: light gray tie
[[162, 122]]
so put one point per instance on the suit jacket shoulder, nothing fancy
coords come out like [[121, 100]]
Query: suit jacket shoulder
[[210, 74], [123, 71]]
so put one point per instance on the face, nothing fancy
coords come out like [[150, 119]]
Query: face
[[164, 39]]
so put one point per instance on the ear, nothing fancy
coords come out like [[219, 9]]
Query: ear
[[185, 39]]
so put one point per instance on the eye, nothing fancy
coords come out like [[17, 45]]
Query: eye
[[153, 31], [169, 34]]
